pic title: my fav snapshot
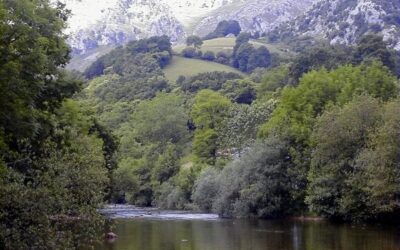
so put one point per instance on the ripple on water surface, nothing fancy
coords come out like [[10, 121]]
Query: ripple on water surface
[[126, 212]]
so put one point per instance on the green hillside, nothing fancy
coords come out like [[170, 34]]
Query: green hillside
[[82, 62], [189, 67], [226, 44]]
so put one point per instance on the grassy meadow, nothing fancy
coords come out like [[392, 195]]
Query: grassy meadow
[[190, 67], [226, 44]]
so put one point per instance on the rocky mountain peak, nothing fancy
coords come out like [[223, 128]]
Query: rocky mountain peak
[[113, 22], [345, 21]]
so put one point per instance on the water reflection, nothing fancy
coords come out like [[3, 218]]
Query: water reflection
[[143, 234]]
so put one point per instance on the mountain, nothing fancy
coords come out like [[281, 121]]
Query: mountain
[[113, 22], [255, 16], [345, 21]]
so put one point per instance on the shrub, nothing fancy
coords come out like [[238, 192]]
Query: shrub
[[256, 185], [206, 189], [189, 52], [209, 56]]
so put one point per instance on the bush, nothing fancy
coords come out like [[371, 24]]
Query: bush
[[169, 196], [209, 56], [225, 28], [209, 80], [195, 41], [222, 58], [206, 189], [256, 185], [188, 52]]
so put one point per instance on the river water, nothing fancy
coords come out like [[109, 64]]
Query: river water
[[168, 230]]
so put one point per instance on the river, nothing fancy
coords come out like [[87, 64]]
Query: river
[[139, 229]]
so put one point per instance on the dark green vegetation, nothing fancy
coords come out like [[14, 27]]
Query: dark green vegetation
[[55, 159], [224, 28], [316, 133], [304, 137], [245, 56]]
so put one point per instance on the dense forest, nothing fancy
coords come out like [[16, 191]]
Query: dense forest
[[308, 136], [56, 161], [313, 134]]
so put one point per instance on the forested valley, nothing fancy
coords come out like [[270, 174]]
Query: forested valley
[[311, 130]]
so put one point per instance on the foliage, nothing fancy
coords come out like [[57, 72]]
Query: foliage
[[372, 47], [209, 108], [206, 189], [243, 54], [260, 58], [317, 90], [225, 28], [53, 171], [246, 57], [167, 164], [161, 120], [379, 165], [142, 78], [152, 141], [169, 196], [126, 183], [191, 52], [205, 145], [274, 79], [65, 183], [210, 80], [339, 136], [298, 108], [316, 57], [240, 91], [222, 58], [32, 85], [209, 56], [354, 174], [239, 128], [120, 59], [257, 184], [195, 41], [208, 112]]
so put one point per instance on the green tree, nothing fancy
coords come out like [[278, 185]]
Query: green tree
[[373, 47], [260, 58], [208, 112], [194, 41], [225, 28], [242, 57], [167, 165], [316, 57], [209, 56], [378, 165], [257, 185], [295, 116], [190, 52], [52, 170], [209, 109], [299, 106], [274, 79], [205, 145], [339, 136], [240, 91], [32, 50], [206, 189], [240, 126], [161, 120]]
